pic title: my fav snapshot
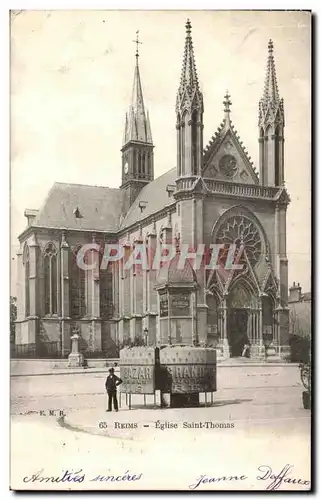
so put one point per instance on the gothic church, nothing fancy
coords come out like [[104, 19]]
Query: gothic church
[[214, 195]]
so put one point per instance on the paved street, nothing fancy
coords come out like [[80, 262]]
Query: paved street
[[270, 427]]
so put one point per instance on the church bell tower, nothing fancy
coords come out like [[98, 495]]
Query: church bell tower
[[137, 150]]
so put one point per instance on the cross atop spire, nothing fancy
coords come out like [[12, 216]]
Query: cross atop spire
[[227, 103], [137, 44], [189, 85], [188, 27]]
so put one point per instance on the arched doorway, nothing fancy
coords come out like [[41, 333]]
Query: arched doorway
[[239, 305]]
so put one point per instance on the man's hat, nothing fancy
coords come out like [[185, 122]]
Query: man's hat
[[111, 370]]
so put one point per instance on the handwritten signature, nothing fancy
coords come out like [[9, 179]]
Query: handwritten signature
[[265, 473], [79, 476]]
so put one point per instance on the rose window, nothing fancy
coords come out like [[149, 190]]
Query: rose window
[[228, 165], [239, 230]]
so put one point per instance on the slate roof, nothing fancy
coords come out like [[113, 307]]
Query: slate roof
[[99, 208], [154, 194]]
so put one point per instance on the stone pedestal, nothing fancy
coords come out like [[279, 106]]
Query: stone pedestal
[[225, 348], [271, 354], [75, 358]]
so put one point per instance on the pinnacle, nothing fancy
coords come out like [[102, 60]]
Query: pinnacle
[[189, 84], [271, 87], [270, 99]]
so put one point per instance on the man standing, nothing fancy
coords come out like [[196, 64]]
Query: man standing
[[112, 381]]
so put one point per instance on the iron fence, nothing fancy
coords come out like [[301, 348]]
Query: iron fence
[[41, 350]]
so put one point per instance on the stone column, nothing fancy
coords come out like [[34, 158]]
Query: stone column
[[151, 295], [226, 347], [95, 326], [132, 284], [276, 255], [115, 285], [65, 305], [261, 159], [169, 333], [137, 296], [19, 285], [260, 329], [200, 128], [198, 238], [250, 330], [195, 337], [283, 258], [33, 320], [179, 152], [126, 291]]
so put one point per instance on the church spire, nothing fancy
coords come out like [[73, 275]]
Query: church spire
[[271, 91], [189, 87], [137, 150], [270, 99], [137, 124]]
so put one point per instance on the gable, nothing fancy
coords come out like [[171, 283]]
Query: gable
[[228, 161]]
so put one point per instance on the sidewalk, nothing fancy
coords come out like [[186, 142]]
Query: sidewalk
[[31, 371]]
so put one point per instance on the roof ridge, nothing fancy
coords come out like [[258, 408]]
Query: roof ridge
[[83, 185]]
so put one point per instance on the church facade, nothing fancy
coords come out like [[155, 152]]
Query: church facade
[[214, 196]]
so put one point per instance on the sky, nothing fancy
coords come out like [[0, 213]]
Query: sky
[[71, 82]]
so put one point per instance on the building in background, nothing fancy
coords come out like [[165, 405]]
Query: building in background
[[213, 195], [300, 311]]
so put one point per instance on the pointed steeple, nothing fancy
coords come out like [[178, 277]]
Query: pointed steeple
[[137, 124], [137, 149], [270, 98], [271, 86], [189, 87]]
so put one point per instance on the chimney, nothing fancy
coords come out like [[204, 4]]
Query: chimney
[[30, 214], [295, 292]]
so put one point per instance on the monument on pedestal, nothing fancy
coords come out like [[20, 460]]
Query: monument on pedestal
[[75, 358]]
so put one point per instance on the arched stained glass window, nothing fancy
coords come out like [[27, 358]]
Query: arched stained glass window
[[106, 291], [78, 287], [50, 275]]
